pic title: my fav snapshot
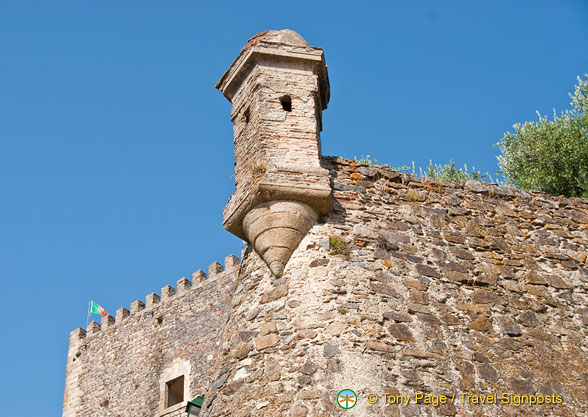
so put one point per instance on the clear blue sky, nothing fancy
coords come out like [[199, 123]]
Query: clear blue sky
[[116, 150]]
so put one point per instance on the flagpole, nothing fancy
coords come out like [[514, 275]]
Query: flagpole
[[88, 318]]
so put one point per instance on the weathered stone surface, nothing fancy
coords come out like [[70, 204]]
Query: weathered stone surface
[[274, 294], [487, 372], [481, 323], [454, 237], [427, 271], [242, 351], [418, 308], [429, 304], [528, 318], [331, 350], [420, 354], [484, 297], [391, 315], [459, 277], [309, 368], [393, 237], [233, 387], [509, 327], [380, 346], [401, 332], [383, 289], [419, 297], [319, 262], [307, 334], [536, 279], [556, 282], [335, 329], [263, 342], [299, 411], [268, 328]]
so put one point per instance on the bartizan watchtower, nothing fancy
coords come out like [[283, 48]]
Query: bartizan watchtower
[[278, 86]]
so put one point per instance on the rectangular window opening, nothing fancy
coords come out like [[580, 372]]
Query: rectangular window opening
[[174, 391]]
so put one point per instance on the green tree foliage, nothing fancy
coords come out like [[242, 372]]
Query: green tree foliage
[[551, 156]]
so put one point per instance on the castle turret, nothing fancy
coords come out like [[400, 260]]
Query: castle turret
[[278, 86]]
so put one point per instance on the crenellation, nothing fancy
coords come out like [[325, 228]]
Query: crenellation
[[232, 263], [93, 328], [198, 278], [183, 285], [151, 300], [167, 292], [214, 269], [107, 322], [121, 314], [137, 306], [77, 335]]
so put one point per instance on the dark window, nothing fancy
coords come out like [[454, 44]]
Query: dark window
[[246, 116], [174, 391], [286, 103]]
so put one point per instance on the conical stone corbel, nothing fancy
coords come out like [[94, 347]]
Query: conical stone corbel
[[276, 228]]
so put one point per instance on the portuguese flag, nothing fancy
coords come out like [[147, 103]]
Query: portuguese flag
[[96, 309]]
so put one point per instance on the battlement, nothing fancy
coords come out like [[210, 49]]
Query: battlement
[[352, 178], [514, 234], [148, 339], [216, 271]]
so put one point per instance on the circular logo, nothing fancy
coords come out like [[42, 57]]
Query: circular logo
[[346, 399]]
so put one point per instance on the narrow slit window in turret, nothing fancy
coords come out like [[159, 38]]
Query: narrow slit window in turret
[[286, 103]]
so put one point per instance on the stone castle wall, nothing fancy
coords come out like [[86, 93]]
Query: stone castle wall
[[120, 368], [406, 286], [441, 289]]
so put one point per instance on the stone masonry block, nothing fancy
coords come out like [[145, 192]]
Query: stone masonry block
[[198, 277], [137, 306], [121, 314], [151, 300], [167, 292], [183, 285], [232, 263], [107, 322], [77, 334], [93, 327], [214, 269]]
